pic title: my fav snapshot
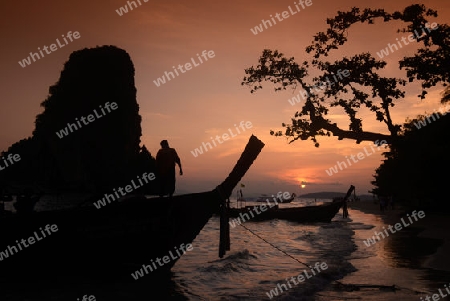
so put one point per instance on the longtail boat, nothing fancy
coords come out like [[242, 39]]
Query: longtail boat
[[280, 199], [307, 214], [116, 240]]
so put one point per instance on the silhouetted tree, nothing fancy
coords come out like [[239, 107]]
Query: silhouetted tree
[[446, 95], [416, 165], [364, 87]]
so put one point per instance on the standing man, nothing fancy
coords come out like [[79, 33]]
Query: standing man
[[344, 208], [166, 158]]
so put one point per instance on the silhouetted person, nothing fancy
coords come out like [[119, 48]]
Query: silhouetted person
[[344, 209], [166, 158]]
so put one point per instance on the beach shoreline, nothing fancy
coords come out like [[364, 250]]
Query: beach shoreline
[[432, 227]]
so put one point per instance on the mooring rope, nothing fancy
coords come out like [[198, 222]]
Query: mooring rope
[[275, 246], [393, 287]]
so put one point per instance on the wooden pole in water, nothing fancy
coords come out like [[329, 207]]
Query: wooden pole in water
[[225, 189], [344, 202]]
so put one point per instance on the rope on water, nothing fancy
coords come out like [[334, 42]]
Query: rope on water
[[276, 247], [348, 287], [356, 287]]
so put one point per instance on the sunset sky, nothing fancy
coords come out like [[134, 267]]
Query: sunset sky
[[209, 99]]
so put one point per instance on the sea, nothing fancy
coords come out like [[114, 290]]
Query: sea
[[264, 258]]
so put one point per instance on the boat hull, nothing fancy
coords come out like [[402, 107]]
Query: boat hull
[[264, 199], [110, 243], [308, 214], [106, 243]]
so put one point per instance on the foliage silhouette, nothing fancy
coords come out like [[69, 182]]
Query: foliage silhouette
[[365, 87], [412, 169]]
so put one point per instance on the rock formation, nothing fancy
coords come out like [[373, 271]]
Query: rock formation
[[71, 149]]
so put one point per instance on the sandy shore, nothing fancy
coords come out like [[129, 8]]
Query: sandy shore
[[432, 226]]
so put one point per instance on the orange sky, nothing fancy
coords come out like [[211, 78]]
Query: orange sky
[[209, 99]]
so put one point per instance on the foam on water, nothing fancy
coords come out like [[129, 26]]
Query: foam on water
[[253, 267]]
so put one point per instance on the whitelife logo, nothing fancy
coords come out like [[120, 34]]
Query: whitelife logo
[[436, 297], [11, 250], [124, 9], [35, 56], [162, 80], [90, 118], [244, 217], [411, 38], [166, 259], [360, 156], [319, 267], [284, 15], [129, 188], [86, 298], [426, 120], [397, 226], [11, 158], [319, 87], [225, 137]]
